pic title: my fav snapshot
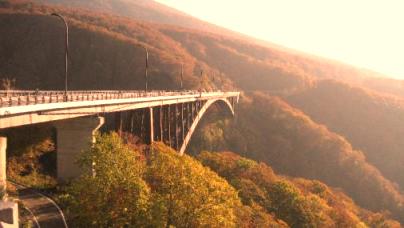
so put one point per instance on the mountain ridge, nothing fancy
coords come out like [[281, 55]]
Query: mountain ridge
[[133, 9]]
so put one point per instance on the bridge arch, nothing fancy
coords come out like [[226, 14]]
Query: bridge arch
[[199, 116]]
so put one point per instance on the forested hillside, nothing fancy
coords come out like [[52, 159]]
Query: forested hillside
[[105, 54], [372, 122], [145, 10], [219, 190], [299, 202], [111, 60], [267, 129], [150, 11]]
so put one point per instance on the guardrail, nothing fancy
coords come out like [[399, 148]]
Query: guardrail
[[10, 98]]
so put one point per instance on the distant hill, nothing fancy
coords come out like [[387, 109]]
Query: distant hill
[[151, 11], [280, 60], [372, 122], [90, 30], [144, 10], [111, 61]]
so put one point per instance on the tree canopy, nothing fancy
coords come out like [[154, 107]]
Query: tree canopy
[[298, 202], [121, 187]]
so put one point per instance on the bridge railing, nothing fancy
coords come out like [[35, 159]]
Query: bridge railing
[[9, 98]]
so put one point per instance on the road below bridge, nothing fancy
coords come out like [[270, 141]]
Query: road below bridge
[[44, 211]]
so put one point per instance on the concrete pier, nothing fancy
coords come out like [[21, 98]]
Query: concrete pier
[[3, 163], [8, 209], [73, 137], [151, 125]]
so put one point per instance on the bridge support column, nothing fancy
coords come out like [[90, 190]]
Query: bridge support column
[[8, 209], [132, 121], [118, 123], [161, 123], [182, 123], [176, 126], [169, 125], [73, 137], [151, 126], [3, 163]]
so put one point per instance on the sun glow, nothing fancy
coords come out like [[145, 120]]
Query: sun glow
[[364, 33]]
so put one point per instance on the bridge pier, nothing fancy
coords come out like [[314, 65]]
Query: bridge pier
[[161, 123], [176, 126], [182, 123], [8, 209], [3, 163], [151, 125], [169, 125], [73, 137], [118, 123]]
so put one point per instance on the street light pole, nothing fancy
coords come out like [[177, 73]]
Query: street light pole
[[66, 50], [201, 81], [182, 76], [146, 82], [146, 67]]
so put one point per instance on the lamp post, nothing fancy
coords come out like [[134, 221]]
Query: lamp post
[[146, 65], [182, 76], [146, 86], [66, 50], [201, 81]]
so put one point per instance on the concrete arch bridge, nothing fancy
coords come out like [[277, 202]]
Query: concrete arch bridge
[[168, 116]]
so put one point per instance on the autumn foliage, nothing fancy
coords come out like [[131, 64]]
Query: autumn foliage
[[122, 187], [370, 121], [268, 129], [298, 202]]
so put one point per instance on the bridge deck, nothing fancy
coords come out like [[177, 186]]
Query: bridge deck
[[28, 107], [10, 98]]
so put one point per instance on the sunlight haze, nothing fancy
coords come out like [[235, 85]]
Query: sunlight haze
[[367, 34]]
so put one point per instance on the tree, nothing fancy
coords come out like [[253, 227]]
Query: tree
[[118, 188], [187, 194], [291, 206], [7, 84], [111, 192]]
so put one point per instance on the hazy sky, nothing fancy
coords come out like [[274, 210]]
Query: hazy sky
[[365, 33]]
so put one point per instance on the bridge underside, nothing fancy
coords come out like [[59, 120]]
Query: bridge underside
[[172, 124]]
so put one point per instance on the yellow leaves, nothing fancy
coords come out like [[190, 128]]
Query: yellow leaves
[[171, 190], [295, 201], [193, 195]]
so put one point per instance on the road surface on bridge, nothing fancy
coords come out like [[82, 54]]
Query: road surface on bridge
[[19, 108]]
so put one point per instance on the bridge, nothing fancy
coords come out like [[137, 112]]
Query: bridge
[[167, 116]]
